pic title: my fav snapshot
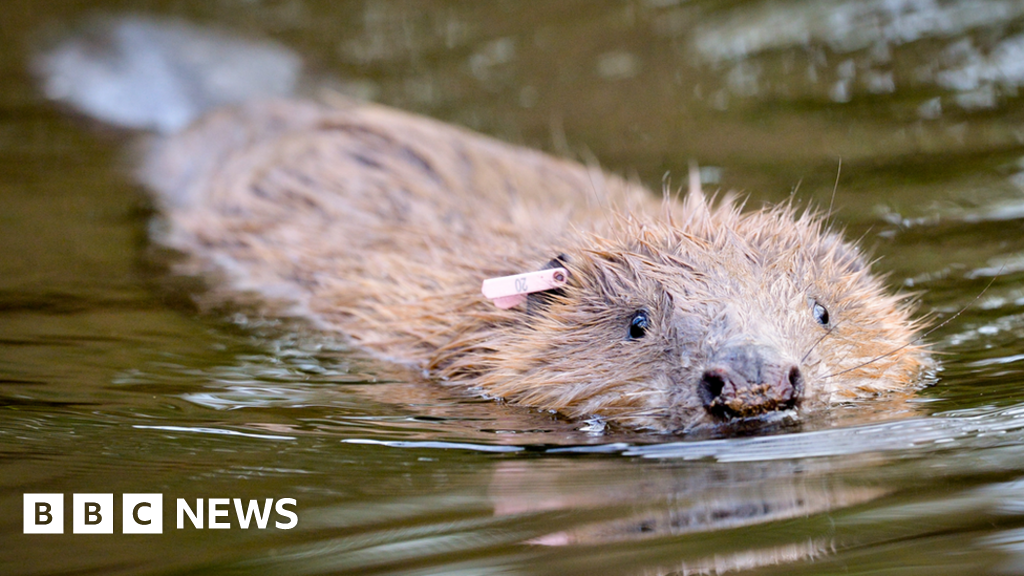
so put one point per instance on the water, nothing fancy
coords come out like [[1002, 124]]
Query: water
[[112, 381]]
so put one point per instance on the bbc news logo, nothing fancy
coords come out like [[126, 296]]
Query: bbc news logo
[[143, 513]]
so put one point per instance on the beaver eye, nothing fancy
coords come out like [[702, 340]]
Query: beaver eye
[[820, 314], [638, 325]]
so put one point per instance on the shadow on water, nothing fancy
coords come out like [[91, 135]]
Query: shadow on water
[[111, 381]]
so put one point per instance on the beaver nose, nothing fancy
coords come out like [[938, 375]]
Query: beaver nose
[[748, 380]]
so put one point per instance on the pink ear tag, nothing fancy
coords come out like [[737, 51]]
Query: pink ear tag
[[509, 291]]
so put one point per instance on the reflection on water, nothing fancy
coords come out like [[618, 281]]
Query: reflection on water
[[135, 85], [879, 44], [111, 381]]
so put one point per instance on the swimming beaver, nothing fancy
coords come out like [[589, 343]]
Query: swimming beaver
[[382, 225], [675, 315]]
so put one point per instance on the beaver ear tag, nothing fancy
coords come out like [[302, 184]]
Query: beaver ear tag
[[509, 291]]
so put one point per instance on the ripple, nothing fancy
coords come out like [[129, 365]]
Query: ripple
[[957, 428], [436, 445], [217, 431]]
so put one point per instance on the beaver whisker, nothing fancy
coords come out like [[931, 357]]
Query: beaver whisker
[[828, 332], [920, 338], [835, 187]]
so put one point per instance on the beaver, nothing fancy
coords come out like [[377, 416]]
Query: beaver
[[676, 314], [668, 315]]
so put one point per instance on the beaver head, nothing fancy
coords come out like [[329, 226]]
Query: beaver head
[[708, 316]]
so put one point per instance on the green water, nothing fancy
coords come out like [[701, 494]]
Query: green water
[[112, 381]]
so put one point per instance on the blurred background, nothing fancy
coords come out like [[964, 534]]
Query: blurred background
[[111, 379]]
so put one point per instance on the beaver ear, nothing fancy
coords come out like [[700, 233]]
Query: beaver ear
[[539, 302], [560, 261]]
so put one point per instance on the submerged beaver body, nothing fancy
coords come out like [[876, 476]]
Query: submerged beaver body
[[382, 225]]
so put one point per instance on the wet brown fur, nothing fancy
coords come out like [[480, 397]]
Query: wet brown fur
[[381, 225]]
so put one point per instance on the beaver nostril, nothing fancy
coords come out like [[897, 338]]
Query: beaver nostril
[[796, 379], [711, 385], [796, 384]]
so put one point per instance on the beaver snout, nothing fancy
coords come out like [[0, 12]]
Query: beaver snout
[[748, 380]]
